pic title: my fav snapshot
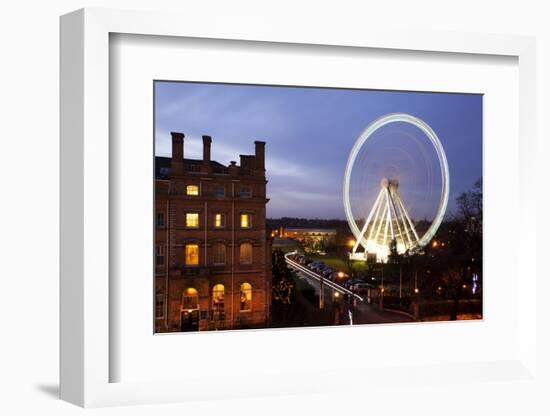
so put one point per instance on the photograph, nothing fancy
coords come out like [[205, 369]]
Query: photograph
[[297, 206]]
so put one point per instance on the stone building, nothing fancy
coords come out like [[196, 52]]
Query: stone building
[[213, 253], [312, 239]]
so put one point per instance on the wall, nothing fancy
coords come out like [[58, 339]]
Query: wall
[[29, 167]]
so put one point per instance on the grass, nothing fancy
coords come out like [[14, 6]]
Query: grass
[[334, 261]]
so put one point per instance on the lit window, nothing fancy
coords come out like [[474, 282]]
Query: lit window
[[192, 254], [218, 295], [190, 299], [245, 221], [192, 220], [218, 255], [245, 253], [192, 190], [160, 256], [159, 306], [219, 221], [246, 297]]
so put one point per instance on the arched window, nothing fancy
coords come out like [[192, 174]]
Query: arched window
[[190, 298], [245, 253], [218, 253], [192, 255], [218, 295], [246, 297]]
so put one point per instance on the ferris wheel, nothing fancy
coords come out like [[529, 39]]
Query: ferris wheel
[[388, 220]]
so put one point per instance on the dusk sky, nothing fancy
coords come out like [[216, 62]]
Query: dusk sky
[[309, 133]]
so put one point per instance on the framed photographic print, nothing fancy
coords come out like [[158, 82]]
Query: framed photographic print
[[273, 208], [344, 215]]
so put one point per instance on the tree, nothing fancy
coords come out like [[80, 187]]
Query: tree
[[470, 208], [283, 293]]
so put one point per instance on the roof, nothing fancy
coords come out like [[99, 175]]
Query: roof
[[162, 165], [311, 230], [277, 241]]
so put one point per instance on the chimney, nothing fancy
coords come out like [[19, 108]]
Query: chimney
[[206, 145], [247, 162], [233, 168], [260, 155], [176, 164]]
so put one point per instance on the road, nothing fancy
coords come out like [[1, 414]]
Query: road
[[363, 312]]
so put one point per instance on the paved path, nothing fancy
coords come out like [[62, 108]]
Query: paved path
[[363, 312]]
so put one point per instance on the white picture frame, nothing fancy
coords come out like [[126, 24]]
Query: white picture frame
[[85, 353]]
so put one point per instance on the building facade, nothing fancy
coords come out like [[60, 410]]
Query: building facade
[[312, 239], [212, 253]]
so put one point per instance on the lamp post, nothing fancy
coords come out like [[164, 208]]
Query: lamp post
[[382, 288], [336, 304], [321, 293], [400, 280]]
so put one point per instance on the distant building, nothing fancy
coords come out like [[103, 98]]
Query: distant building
[[287, 245], [213, 254], [311, 238]]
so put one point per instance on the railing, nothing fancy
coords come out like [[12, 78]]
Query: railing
[[193, 168], [220, 170]]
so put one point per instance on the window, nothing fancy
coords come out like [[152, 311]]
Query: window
[[218, 295], [190, 299], [192, 190], [160, 256], [218, 255], [246, 297], [219, 220], [219, 191], [160, 219], [245, 253], [159, 306], [246, 221], [192, 220], [192, 254], [245, 192]]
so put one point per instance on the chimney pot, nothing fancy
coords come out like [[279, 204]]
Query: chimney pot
[[260, 154], [176, 164], [206, 147]]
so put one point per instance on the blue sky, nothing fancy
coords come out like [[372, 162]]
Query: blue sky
[[309, 133]]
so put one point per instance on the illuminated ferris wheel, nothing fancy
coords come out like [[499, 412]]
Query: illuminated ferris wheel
[[388, 220]]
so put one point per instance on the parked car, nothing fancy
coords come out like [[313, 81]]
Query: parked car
[[313, 265], [327, 272], [360, 288]]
